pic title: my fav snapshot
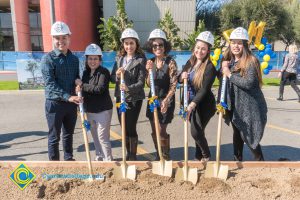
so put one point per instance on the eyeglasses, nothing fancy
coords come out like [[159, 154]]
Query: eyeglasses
[[156, 46]]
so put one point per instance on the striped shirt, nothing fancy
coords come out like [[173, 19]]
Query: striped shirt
[[60, 72]]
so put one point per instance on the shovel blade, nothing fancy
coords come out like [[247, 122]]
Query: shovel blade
[[192, 175], [213, 171], [164, 168], [125, 171]]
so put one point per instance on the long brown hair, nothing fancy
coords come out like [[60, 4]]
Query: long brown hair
[[199, 73], [138, 49], [247, 59]]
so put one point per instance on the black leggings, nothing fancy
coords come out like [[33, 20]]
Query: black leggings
[[131, 117], [198, 124], [286, 76], [238, 145]]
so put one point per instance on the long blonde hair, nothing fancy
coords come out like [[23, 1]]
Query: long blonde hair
[[247, 59], [199, 70]]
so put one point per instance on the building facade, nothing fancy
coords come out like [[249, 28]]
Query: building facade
[[25, 24]]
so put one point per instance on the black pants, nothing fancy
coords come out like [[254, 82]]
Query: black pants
[[60, 115], [238, 145], [198, 124], [286, 76], [131, 117]]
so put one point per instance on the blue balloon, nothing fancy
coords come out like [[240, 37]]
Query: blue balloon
[[264, 40], [270, 67], [273, 55], [268, 51], [269, 46], [261, 54], [266, 71]]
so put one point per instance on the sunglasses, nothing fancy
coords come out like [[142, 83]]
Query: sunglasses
[[156, 46]]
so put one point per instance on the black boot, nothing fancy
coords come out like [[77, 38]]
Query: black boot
[[165, 147], [133, 142], [155, 145], [257, 152], [198, 153]]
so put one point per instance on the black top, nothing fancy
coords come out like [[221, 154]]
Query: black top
[[95, 90]]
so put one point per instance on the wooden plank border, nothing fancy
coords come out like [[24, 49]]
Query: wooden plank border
[[200, 165]]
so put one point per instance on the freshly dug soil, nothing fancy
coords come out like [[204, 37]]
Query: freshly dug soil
[[247, 183]]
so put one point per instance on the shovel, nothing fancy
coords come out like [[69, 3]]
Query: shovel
[[162, 167], [186, 173], [217, 170], [124, 171], [86, 129]]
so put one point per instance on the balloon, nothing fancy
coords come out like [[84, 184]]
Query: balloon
[[214, 63], [270, 67], [264, 65], [216, 57], [266, 71], [217, 51], [252, 30], [266, 58], [261, 47], [261, 54], [211, 57], [268, 51], [226, 34], [259, 32], [273, 55], [264, 40], [269, 46]]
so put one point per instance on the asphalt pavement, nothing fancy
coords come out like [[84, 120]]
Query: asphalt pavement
[[23, 130]]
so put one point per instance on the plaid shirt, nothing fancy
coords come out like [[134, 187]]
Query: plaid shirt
[[60, 72]]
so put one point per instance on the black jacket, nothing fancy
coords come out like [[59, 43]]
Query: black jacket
[[95, 90], [134, 78]]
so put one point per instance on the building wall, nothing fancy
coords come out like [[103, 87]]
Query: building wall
[[145, 14]]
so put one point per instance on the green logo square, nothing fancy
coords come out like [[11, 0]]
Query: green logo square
[[22, 176]]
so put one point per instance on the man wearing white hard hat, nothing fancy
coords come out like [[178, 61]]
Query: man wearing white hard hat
[[164, 69], [243, 71], [97, 101], [60, 69], [131, 62], [200, 74]]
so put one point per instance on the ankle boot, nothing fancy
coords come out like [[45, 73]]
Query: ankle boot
[[165, 147], [155, 145], [133, 142]]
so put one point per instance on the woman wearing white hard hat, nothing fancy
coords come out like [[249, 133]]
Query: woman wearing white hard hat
[[246, 102], [97, 101], [200, 74], [164, 69], [131, 62]]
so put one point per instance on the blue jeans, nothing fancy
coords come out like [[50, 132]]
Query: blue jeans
[[60, 115]]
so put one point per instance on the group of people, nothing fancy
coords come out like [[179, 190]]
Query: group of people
[[60, 69]]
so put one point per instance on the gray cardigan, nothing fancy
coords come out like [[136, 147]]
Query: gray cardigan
[[248, 106], [290, 64]]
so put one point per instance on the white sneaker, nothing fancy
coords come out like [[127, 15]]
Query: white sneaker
[[205, 159], [98, 158]]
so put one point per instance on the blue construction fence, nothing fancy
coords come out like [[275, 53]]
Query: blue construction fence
[[8, 59]]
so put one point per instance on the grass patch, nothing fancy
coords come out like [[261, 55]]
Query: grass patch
[[9, 85], [271, 81]]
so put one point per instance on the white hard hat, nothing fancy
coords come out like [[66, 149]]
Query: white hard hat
[[129, 33], [157, 33], [239, 34], [206, 36], [60, 28], [93, 50]]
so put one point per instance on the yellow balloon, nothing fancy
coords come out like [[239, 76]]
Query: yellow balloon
[[211, 57], [252, 30], [259, 32], [266, 58], [214, 63], [216, 57], [264, 65], [261, 47], [226, 34], [217, 51]]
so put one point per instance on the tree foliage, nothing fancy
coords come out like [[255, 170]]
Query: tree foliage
[[171, 29], [190, 40], [111, 29], [32, 67], [242, 12]]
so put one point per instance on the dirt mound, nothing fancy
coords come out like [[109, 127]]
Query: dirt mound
[[255, 183]]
